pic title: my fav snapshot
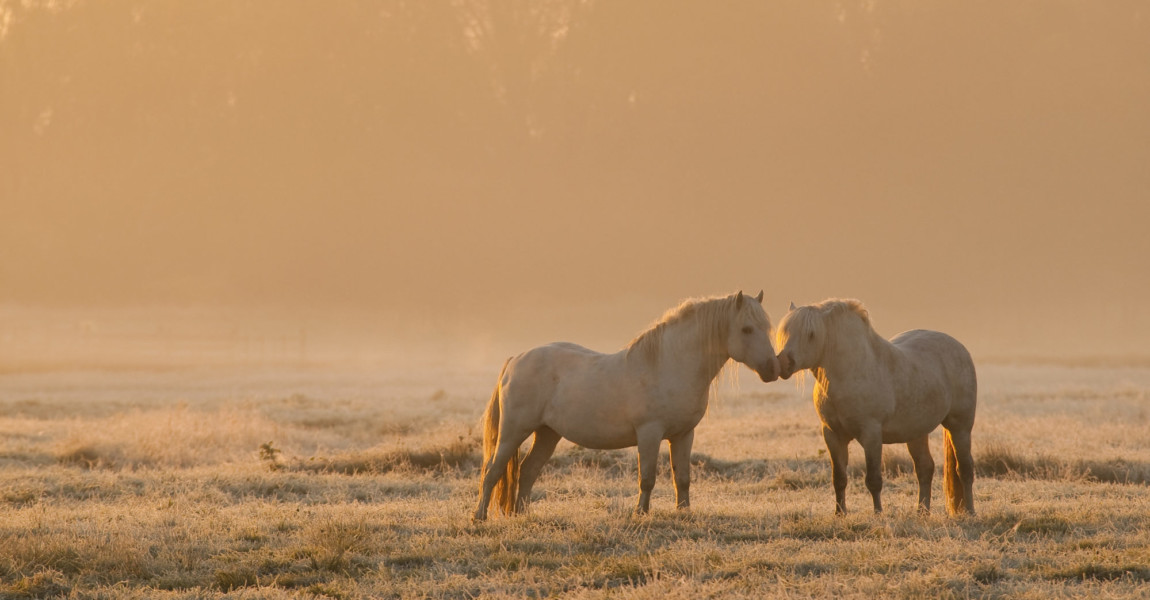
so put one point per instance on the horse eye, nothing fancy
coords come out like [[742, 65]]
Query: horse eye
[[747, 329]]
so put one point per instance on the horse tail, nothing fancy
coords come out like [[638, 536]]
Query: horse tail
[[951, 484], [506, 489]]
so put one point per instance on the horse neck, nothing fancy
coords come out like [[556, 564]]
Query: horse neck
[[858, 350], [693, 349]]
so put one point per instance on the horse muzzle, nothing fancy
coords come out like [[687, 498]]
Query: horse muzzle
[[770, 371], [786, 365]]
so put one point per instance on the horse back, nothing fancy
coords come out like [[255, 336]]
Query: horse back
[[580, 393], [938, 369]]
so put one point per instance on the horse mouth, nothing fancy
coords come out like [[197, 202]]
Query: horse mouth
[[770, 371], [786, 367]]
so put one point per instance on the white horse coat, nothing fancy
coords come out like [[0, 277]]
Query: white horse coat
[[654, 389], [885, 392]]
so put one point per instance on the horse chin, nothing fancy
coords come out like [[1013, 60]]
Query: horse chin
[[767, 378]]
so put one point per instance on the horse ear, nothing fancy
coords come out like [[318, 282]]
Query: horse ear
[[739, 299], [792, 305], [759, 298]]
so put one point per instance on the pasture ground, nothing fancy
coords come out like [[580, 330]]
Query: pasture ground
[[323, 481]]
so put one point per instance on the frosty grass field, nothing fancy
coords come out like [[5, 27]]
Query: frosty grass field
[[346, 481]]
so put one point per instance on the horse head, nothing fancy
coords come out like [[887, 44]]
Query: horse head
[[800, 338], [748, 337]]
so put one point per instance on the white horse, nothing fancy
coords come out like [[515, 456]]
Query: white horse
[[655, 389], [880, 392]]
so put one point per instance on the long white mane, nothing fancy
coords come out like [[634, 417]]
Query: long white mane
[[710, 315], [813, 318]]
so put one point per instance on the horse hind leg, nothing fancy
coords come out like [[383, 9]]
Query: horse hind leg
[[923, 469], [497, 473], [958, 471], [542, 447]]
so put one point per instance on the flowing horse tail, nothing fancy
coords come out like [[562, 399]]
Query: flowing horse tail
[[503, 495], [951, 483]]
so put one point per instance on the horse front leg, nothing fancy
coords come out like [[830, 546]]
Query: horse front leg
[[837, 448], [871, 441], [648, 439], [681, 468]]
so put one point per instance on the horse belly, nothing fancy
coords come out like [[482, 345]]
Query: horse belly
[[591, 413], [902, 433], [591, 423], [919, 408]]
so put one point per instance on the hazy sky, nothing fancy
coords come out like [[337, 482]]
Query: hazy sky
[[981, 167]]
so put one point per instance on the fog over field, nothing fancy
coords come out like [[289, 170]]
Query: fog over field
[[499, 174], [261, 261]]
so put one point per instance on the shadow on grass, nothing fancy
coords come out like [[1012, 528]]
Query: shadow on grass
[[994, 461], [999, 461]]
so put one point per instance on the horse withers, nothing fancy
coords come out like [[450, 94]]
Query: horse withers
[[885, 392], [655, 389]]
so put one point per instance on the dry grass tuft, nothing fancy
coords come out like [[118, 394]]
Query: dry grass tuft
[[999, 460], [460, 454], [42, 584]]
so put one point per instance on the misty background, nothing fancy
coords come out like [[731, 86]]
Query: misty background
[[484, 175]]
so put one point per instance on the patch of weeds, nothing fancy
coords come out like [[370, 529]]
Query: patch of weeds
[[1043, 525], [50, 555], [269, 454], [409, 561], [613, 462], [936, 587], [735, 537], [334, 544], [507, 561], [87, 457], [22, 497], [285, 526], [1098, 572], [796, 480], [252, 535], [327, 590], [811, 569], [825, 529], [624, 570], [236, 577], [299, 579], [42, 584], [987, 573], [274, 488], [460, 454], [732, 469], [1115, 471], [182, 580], [999, 460]]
